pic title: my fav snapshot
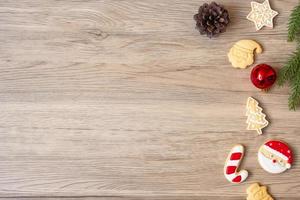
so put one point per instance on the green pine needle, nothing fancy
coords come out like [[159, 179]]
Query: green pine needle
[[294, 24], [290, 73], [294, 99], [289, 70]]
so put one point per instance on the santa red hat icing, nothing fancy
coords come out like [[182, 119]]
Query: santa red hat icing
[[281, 150]]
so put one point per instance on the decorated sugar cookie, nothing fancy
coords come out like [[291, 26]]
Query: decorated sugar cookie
[[275, 157], [241, 54], [256, 118], [262, 14], [232, 164], [256, 192]]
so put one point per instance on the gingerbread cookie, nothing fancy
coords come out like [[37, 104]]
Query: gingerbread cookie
[[275, 157], [241, 54], [232, 164], [256, 192], [256, 118]]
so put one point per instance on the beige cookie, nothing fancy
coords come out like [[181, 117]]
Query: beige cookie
[[241, 55], [256, 119], [262, 14], [256, 192]]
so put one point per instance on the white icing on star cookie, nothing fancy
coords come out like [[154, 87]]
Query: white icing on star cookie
[[262, 14]]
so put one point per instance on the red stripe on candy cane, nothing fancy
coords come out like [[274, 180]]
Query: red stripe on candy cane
[[237, 179], [231, 169], [236, 156]]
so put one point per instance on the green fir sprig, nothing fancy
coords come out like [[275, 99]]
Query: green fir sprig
[[290, 73], [294, 24]]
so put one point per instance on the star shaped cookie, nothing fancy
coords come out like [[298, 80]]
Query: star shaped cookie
[[262, 14]]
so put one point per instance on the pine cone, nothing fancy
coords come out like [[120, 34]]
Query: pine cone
[[212, 19]]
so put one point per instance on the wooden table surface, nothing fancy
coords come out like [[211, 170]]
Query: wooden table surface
[[123, 99]]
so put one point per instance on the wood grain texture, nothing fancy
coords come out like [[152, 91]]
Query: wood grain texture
[[123, 99]]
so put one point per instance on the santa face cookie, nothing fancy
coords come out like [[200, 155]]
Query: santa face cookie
[[275, 157], [241, 55]]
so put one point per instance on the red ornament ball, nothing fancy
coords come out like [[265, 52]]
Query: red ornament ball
[[263, 76]]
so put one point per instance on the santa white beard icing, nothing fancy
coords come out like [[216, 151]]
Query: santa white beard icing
[[275, 157], [268, 164]]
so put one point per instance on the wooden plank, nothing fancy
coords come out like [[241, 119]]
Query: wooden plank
[[124, 99], [133, 198]]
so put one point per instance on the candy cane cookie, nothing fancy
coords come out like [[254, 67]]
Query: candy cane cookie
[[232, 164]]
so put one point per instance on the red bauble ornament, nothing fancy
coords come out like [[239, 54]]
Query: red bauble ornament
[[263, 76]]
